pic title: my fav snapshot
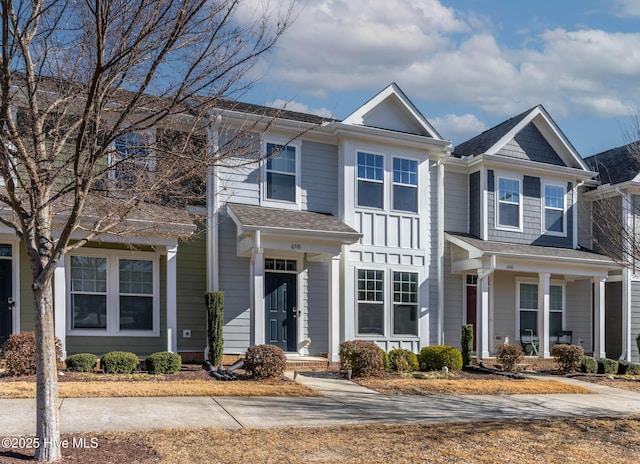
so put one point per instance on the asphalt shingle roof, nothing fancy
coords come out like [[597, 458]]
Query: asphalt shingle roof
[[618, 164], [275, 218]]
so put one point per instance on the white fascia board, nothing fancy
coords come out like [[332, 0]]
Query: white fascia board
[[608, 190], [474, 252], [548, 171], [347, 238]]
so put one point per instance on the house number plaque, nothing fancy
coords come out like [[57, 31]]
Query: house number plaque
[[296, 246]]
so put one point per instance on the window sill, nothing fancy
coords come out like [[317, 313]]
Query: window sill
[[282, 204], [104, 333]]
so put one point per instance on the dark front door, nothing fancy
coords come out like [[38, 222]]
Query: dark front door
[[281, 312], [6, 305]]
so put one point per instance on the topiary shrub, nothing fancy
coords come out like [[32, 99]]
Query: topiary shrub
[[215, 325], [567, 357], [589, 365], [509, 356], [119, 362], [265, 361], [163, 362], [607, 366], [403, 360], [19, 353], [365, 359], [467, 344], [81, 362], [628, 368], [434, 358]]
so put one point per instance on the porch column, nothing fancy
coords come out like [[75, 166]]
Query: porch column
[[598, 318], [172, 299], [60, 304], [257, 278], [482, 317], [334, 309], [543, 314]]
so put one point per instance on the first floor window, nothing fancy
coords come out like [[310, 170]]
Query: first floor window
[[370, 302], [405, 303], [112, 294], [528, 306]]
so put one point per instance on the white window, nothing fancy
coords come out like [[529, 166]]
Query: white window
[[509, 196], [405, 303], [370, 180], [370, 302], [132, 160], [281, 172], [528, 307], [554, 217], [113, 294], [405, 185]]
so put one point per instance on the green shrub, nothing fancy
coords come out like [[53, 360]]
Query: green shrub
[[265, 361], [215, 325], [628, 368], [403, 360], [607, 366], [509, 356], [567, 357], [467, 344], [81, 362], [434, 358], [163, 362], [119, 362], [589, 365], [638, 342], [19, 353], [365, 359]]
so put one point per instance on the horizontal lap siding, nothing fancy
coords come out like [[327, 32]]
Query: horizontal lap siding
[[505, 308], [635, 319], [453, 301], [191, 286], [319, 178], [456, 197], [579, 312], [317, 307]]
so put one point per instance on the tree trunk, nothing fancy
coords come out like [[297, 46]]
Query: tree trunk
[[47, 423]]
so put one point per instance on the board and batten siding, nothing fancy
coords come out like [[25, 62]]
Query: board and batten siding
[[234, 280], [319, 177]]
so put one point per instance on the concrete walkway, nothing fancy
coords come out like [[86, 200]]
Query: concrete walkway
[[344, 403]]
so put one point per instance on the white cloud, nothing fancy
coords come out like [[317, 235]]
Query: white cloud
[[458, 128], [300, 107], [625, 8]]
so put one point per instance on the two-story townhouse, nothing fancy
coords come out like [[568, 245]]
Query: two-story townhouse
[[328, 234], [612, 217], [513, 263]]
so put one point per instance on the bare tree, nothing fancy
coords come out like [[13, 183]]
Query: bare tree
[[78, 77]]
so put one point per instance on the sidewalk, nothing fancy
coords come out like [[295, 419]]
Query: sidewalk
[[344, 403]]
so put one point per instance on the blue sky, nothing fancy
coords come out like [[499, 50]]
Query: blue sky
[[466, 64]]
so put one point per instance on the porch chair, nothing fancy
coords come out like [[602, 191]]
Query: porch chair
[[565, 336], [529, 343]]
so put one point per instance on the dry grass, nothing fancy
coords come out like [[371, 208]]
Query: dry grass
[[549, 441], [119, 388], [457, 386]]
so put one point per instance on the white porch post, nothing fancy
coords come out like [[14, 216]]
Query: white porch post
[[543, 315], [172, 299], [60, 304], [334, 309], [598, 319], [257, 277], [482, 317]]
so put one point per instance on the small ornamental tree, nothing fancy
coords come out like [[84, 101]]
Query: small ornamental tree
[[215, 326], [467, 344]]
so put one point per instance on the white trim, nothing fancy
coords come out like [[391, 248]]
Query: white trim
[[172, 300], [60, 303], [400, 184], [385, 177], [496, 192], [334, 309], [274, 203], [543, 207], [599, 318], [533, 281], [113, 258]]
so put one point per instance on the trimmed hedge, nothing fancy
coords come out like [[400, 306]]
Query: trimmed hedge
[[628, 368], [81, 362], [403, 360], [119, 362], [589, 365], [19, 353], [607, 366], [567, 357], [365, 359], [434, 358], [163, 362], [265, 361], [509, 356]]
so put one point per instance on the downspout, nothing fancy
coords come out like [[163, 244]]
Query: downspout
[[626, 275], [440, 245]]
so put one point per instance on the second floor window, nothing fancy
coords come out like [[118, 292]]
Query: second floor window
[[508, 203], [554, 209], [133, 159], [281, 172], [405, 185], [370, 180]]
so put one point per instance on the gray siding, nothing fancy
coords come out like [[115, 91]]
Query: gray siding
[[319, 182], [317, 307], [191, 286], [453, 301], [531, 216], [584, 222], [505, 307], [475, 198], [235, 283], [579, 312], [26, 295], [613, 319], [635, 320], [238, 176], [430, 287], [607, 216], [530, 144], [456, 201]]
